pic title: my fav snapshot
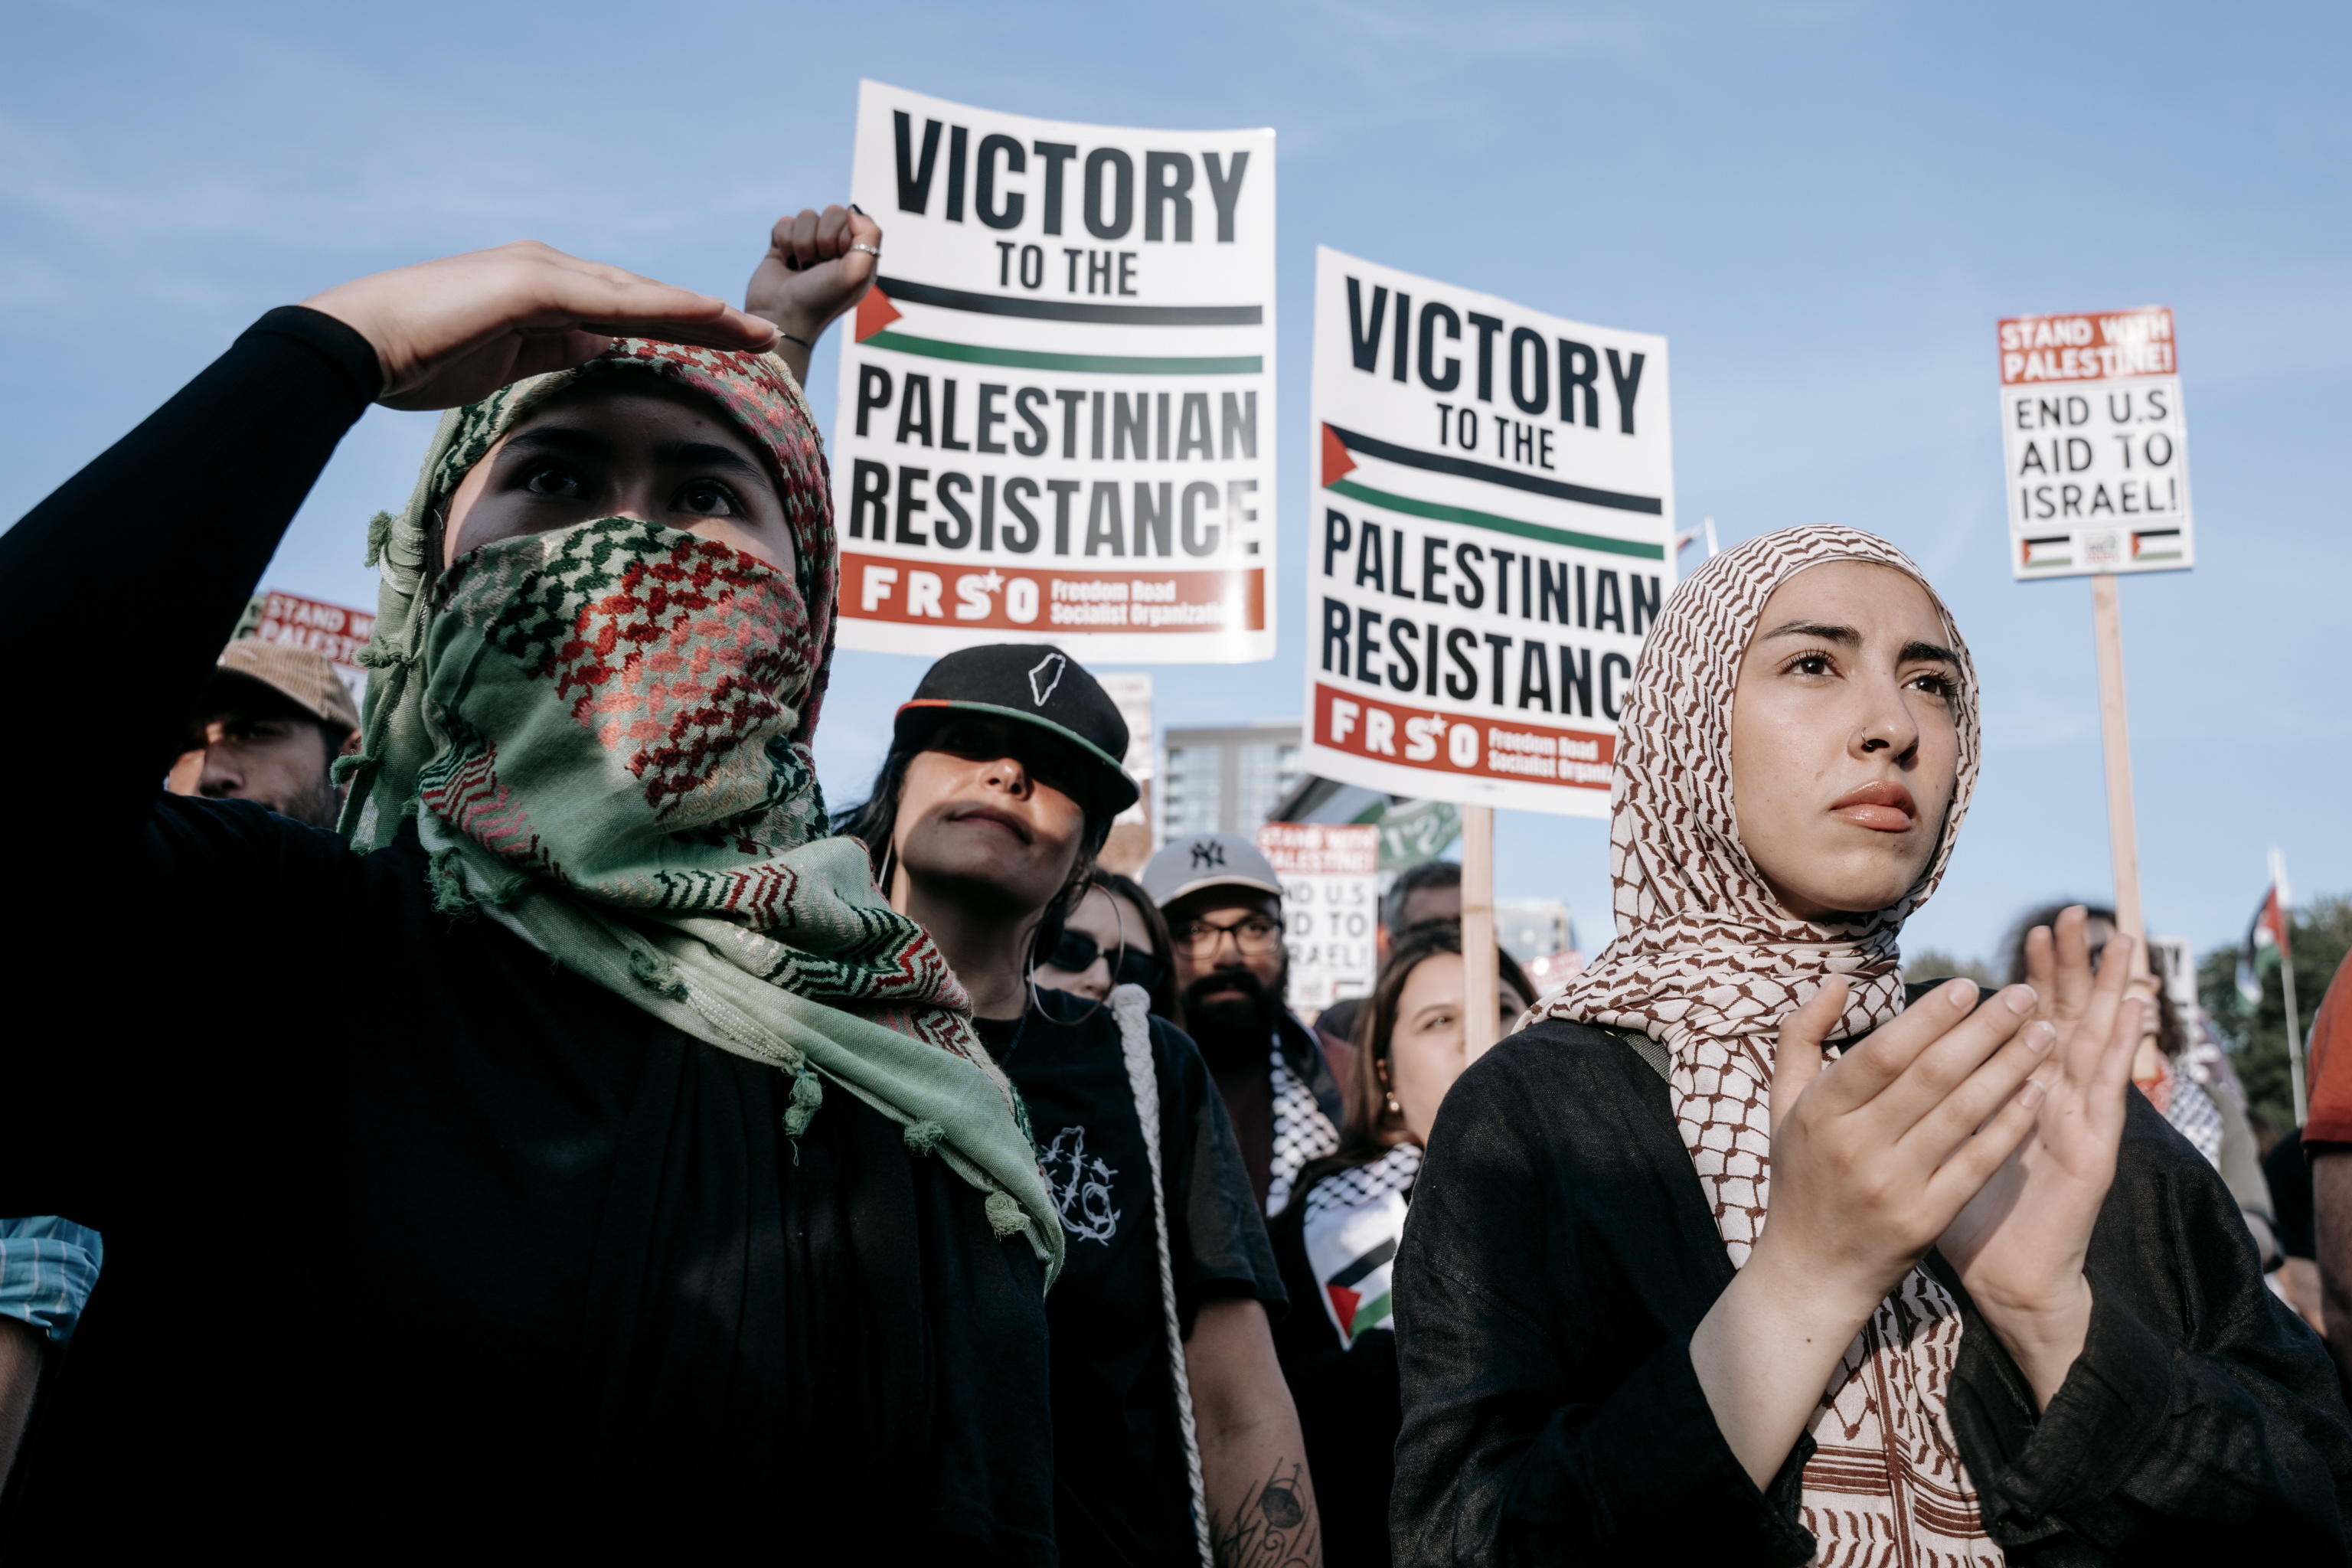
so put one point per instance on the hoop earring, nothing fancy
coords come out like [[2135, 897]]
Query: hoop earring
[[1029, 981], [1117, 914], [882, 875], [1029, 969]]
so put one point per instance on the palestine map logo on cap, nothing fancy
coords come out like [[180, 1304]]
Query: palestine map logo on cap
[[1046, 676]]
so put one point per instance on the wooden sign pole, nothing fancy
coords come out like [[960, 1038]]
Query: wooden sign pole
[[1480, 998], [2115, 729]]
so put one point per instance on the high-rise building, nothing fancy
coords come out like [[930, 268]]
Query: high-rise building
[[1227, 779], [1529, 929]]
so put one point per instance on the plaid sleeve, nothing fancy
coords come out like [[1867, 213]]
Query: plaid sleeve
[[47, 1265]]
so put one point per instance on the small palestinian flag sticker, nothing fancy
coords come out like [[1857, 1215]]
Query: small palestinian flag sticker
[[2053, 550]]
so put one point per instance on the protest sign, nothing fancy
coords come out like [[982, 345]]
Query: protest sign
[[2097, 455], [1490, 541], [1329, 906], [336, 631], [1412, 831], [1056, 405], [333, 630]]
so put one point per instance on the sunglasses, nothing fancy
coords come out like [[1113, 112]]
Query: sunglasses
[[1076, 953], [983, 738]]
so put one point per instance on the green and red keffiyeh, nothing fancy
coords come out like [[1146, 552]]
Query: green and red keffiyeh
[[604, 734]]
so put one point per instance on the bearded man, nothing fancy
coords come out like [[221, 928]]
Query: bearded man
[[1223, 905]]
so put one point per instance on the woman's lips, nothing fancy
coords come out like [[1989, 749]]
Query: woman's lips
[[1884, 807], [1003, 819]]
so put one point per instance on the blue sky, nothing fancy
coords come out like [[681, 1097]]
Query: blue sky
[[1823, 206]]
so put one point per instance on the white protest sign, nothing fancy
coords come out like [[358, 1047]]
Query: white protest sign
[[335, 631], [2099, 457], [1492, 535], [1057, 409], [1330, 908]]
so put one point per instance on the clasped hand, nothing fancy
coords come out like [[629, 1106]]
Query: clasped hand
[[1988, 1133]]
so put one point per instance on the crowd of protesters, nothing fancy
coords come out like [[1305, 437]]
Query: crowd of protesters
[[618, 1154]]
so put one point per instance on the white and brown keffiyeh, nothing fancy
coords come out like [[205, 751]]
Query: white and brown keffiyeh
[[1708, 963]]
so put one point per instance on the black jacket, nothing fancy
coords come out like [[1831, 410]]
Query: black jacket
[[1560, 1253]]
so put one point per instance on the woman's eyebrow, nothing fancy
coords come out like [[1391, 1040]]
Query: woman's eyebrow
[[706, 455], [1935, 652], [568, 439], [1846, 635]]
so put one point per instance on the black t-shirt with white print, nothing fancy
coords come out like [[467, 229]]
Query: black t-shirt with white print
[[1120, 1491]]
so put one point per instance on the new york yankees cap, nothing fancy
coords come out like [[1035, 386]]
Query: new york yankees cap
[[1201, 860], [1037, 684]]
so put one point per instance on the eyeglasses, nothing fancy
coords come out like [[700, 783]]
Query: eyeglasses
[[1254, 935], [1076, 953]]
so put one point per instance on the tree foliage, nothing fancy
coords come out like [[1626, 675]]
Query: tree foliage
[[1934, 965], [2256, 1034]]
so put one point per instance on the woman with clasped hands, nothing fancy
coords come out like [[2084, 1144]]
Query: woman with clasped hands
[[1741, 1249]]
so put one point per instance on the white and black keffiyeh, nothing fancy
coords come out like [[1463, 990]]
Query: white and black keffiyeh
[[2195, 1116], [1708, 963], [1301, 1131], [1359, 1184], [2184, 1094]]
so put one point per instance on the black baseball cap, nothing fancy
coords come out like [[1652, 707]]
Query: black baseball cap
[[1035, 684]]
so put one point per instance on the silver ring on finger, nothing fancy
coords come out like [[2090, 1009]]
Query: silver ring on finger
[[871, 251]]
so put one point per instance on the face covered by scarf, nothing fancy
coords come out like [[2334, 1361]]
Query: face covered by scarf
[[602, 732], [1707, 962]]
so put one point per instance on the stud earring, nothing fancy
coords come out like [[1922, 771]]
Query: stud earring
[[1394, 1108]]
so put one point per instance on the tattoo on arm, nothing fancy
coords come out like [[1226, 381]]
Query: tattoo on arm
[[1275, 1526]]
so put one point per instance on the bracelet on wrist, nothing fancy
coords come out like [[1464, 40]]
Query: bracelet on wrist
[[794, 338]]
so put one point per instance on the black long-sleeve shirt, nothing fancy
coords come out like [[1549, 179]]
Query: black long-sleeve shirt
[[419, 1247], [1559, 1254]]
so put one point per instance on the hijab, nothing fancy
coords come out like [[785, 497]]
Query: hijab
[[602, 734], [1707, 962]]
